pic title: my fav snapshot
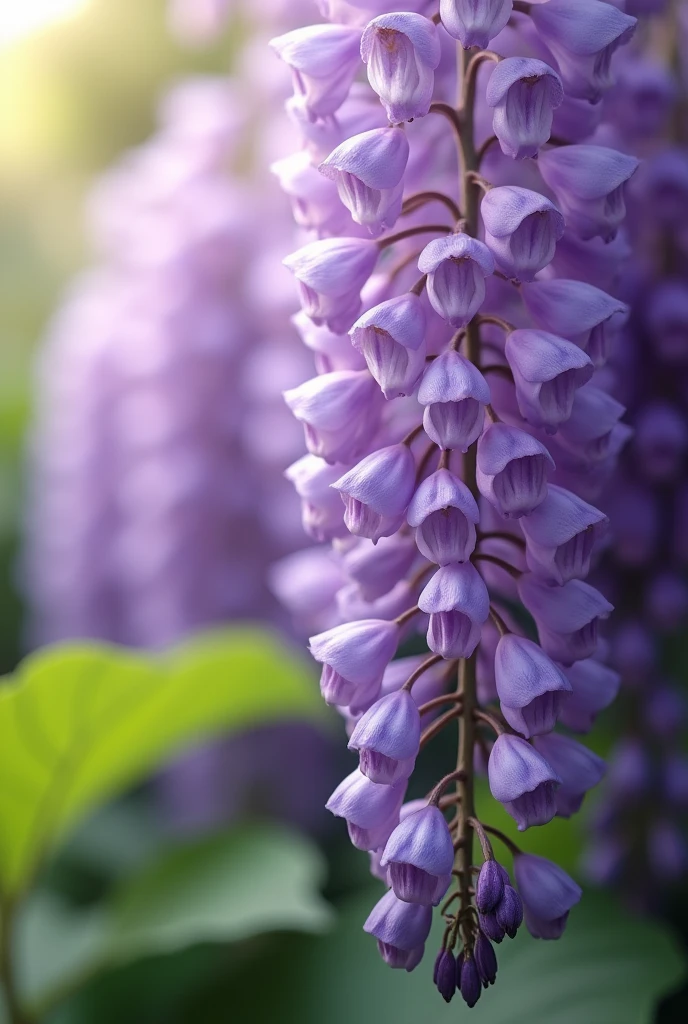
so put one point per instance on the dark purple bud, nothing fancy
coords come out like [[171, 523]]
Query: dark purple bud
[[485, 960], [509, 911], [445, 975], [491, 926], [489, 888], [469, 980]]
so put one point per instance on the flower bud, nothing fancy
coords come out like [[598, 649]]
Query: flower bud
[[377, 491], [512, 470], [420, 857], [370, 811], [401, 930], [530, 686], [561, 535], [324, 60], [524, 93], [458, 603], [588, 182], [391, 337], [485, 959], [444, 514], [445, 974], [454, 393], [548, 894], [547, 373], [456, 267], [522, 229], [577, 767], [509, 912], [368, 170], [469, 979], [387, 737], [330, 274], [583, 35], [475, 22], [354, 656], [567, 617], [523, 781], [402, 52], [489, 888]]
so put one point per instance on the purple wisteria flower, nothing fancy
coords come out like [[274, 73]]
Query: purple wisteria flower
[[548, 894], [524, 93], [522, 229], [456, 267], [454, 394], [522, 780], [420, 855], [402, 52], [371, 811], [323, 60], [354, 657], [391, 337], [468, 490], [369, 173]]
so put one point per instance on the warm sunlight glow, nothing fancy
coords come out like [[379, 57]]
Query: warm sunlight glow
[[19, 18]]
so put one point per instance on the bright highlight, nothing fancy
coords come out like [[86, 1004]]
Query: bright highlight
[[18, 21]]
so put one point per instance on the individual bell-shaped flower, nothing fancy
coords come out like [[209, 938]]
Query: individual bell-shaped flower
[[561, 535], [368, 170], [522, 229], [475, 22], [377, 491], [512, 470], [531, 688], [377, 567], [548, 370], [330, 351], [589, 183], [524, 93], [454, 394], [590, 432], [324, 60], [401, 930], [548, 894], [314, 200], [485, 959], [444, 974], [339, 412], [458, 603], [456, 267], [391, 337], [578, 311], [420, 856], [583, 35], [577, 767], [402, 51], [330, 274], [387, 737], [354, 657], [470, 985], [322, 514], [523, 781], [567, 617], [595, 687], [371, 812], [444, 514]]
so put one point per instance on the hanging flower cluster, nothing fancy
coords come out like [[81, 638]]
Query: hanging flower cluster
[[457, 431], [638, 833]]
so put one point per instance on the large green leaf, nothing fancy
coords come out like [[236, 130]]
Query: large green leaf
[[608, 969], [219, 889], [80, 722]]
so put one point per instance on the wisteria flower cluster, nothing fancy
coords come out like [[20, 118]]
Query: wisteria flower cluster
[[457, 431], [639, 837]]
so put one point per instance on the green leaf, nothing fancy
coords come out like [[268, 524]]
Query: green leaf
[[258, 879], [78, 723], [609, 967], [219, 889]]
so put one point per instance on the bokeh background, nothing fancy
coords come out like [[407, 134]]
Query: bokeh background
[[213, 885]]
